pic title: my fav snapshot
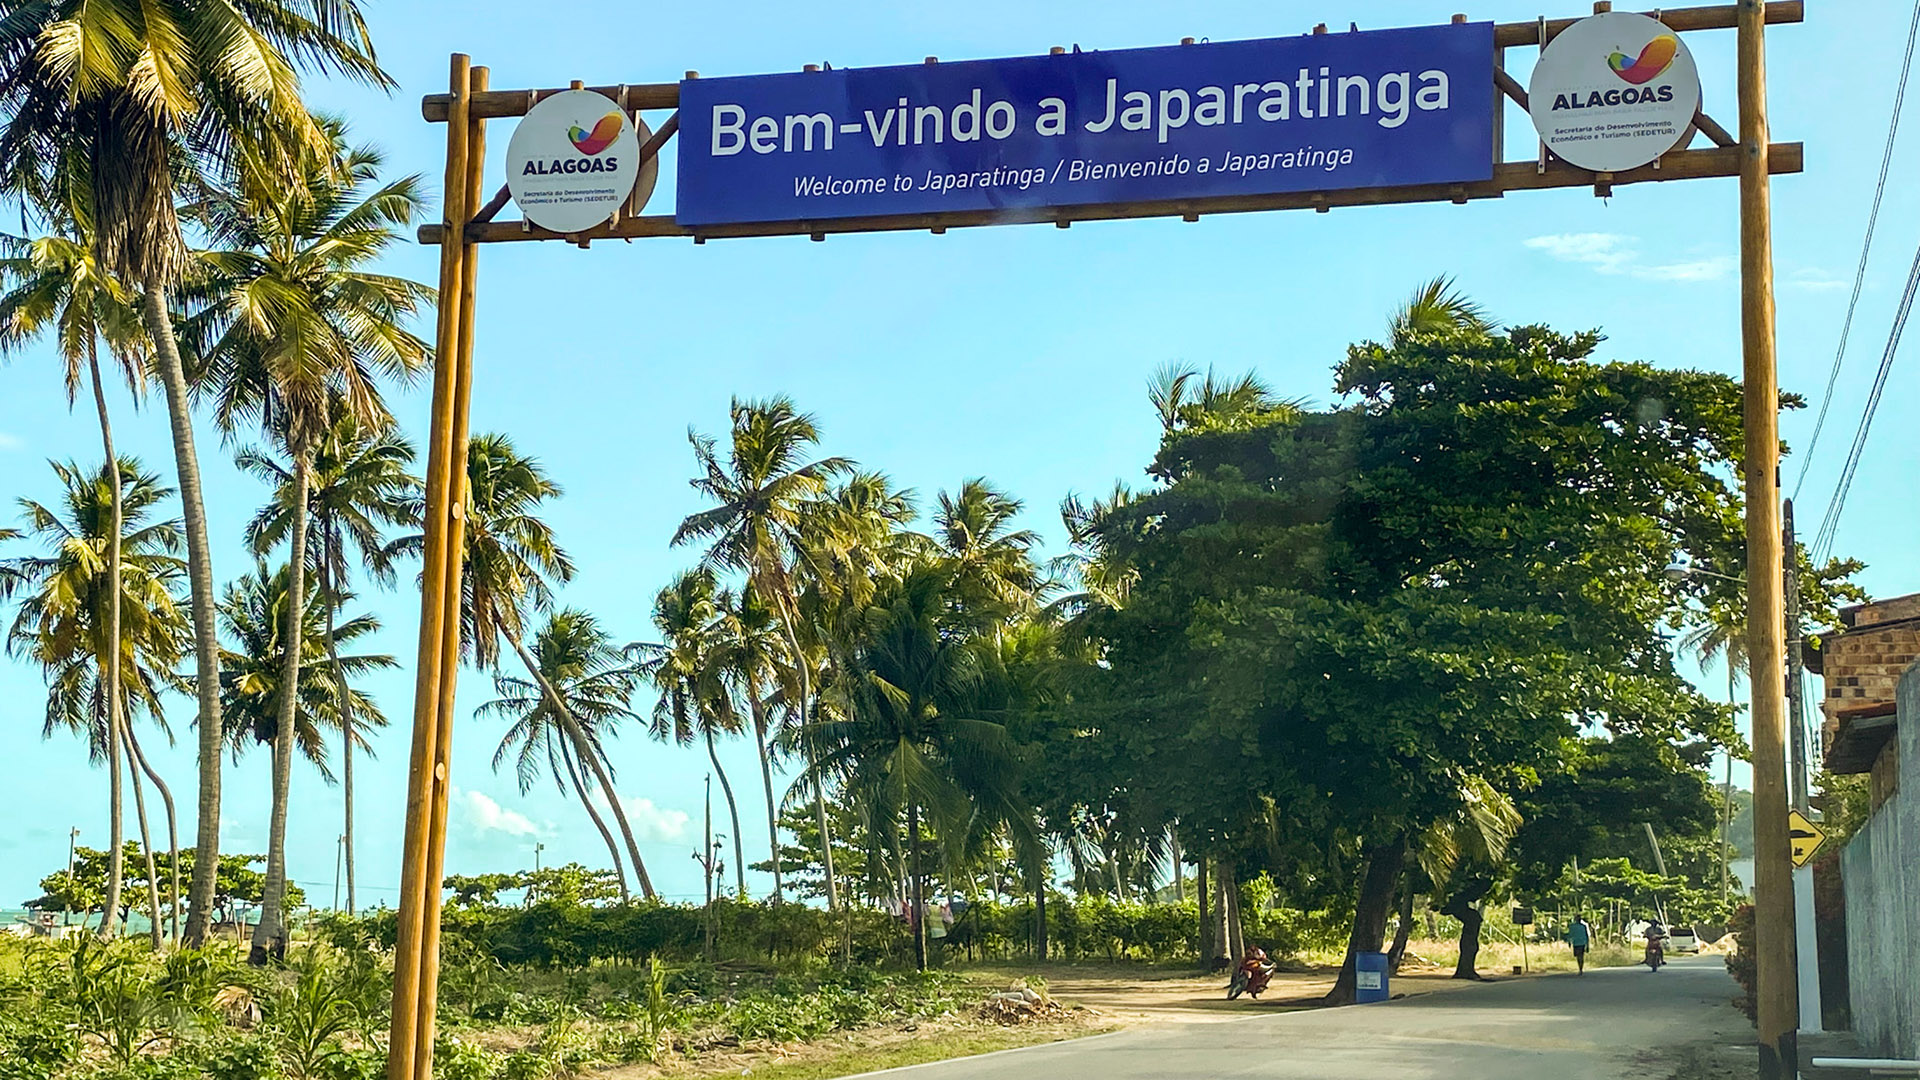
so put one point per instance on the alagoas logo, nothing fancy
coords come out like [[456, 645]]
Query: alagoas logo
[[1653, 62], [603, 134], [589, 143]]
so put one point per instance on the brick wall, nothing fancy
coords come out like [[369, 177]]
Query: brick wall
[[1863, 665]]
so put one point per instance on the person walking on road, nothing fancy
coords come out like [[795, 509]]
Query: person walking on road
[[1580, 935]]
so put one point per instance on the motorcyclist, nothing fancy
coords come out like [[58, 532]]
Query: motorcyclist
[[1656, 935]]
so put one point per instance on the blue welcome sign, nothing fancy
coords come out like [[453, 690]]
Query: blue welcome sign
[[1320, 112]]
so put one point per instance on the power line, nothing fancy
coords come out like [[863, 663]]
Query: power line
[[1830, 524], [1866, 249]]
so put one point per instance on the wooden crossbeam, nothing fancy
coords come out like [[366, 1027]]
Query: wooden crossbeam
[[1510, 176]]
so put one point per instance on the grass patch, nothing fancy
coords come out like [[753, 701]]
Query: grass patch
[[939, 1046]]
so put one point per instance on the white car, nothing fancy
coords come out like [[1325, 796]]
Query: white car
[[1682, 939]]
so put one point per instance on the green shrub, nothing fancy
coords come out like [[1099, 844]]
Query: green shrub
[[36, 1044], [456, 1060], [241, 1057]]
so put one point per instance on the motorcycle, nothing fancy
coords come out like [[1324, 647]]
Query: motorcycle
[[1252, 976], [1656, 957]]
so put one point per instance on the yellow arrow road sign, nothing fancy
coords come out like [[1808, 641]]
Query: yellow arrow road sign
[[1805, 836]]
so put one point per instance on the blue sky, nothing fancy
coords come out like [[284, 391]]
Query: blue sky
[[1019, 354]]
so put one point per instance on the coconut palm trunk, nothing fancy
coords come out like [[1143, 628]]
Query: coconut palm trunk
[[154, 927], [110, 668], [600, 823], [116, 868], [270, 934], [766, 778], [803, 710], [589, 759], [329, 588], [206, 639], [917, 918], [733, 813], [173, 828]]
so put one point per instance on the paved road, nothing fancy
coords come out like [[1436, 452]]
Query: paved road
[[1623, 1022]]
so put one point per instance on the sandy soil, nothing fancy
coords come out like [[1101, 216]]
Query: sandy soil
[[1151, 997]]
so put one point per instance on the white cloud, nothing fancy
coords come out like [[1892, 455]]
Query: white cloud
[[483, 815], [655, 824], [1612, 253], [1814, 279]]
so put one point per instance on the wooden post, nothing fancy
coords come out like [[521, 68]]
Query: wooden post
[[1766, 646], [420, 892], [453, 525]]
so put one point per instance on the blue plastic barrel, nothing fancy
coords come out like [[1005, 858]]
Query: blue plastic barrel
[[1370, 977]]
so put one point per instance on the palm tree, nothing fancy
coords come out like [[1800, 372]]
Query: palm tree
[[359, 487], [581, 691], [1438, 306], [255, 614], [1097, 578], [686, 667], [1185, 399], [762, 492], [918, 739], [293, 333], [510, 553], [749, 649], [66, 624], [113, 105], [992, 562], [1721, 635]]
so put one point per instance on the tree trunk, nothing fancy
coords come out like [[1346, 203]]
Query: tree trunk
[[1223, 955], [344, 702], [790, 618], [173, 831], [766, 776], [111, 667], [155, 929], [918, 919], [586, 800], [1464, 905], [270, 934], [1236, 930], [1726, 806], [1179, 866], [116, 867], [733, 813], [1370, 911], [1202, 898], [588, 758], [206, 634], [1040, 918], [1402, 933]]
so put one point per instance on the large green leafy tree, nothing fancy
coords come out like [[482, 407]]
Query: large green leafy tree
[[359, 488], [582, 691], [116, 106], [67, 624], [1356, 613]]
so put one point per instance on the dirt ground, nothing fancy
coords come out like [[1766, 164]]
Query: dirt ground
[[1144, 996]]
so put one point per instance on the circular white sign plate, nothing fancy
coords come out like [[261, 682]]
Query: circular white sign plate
[[572, 161], [1613, 92]]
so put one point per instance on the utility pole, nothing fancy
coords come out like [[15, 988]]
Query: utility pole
[[73, 838], [537, 849], [1805, 938], [1766, 617]]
